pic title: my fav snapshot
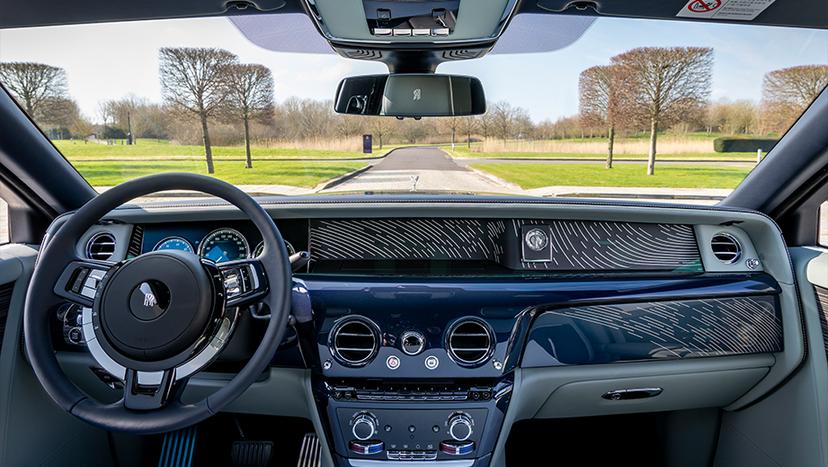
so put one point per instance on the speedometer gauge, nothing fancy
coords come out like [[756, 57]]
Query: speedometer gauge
[[224, 245], [260, 249], [174, 243]]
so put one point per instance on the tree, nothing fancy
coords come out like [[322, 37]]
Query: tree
[[380, 126], [503, 116], [452, 123], [34, 85], [194, 81], [468, 125], [659, 86], [599, 102], [786, 93], [106, 110], [250, 96]]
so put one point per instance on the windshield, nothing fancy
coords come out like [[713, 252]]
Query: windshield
[[609, 108]]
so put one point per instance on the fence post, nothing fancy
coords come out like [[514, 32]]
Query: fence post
[[758, 156]]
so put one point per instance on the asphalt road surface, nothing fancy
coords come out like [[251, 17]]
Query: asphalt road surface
[[420, 169]]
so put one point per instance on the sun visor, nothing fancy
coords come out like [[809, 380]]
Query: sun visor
[[285, 32]]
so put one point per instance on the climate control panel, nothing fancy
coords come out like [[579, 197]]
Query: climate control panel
[[400, 434]]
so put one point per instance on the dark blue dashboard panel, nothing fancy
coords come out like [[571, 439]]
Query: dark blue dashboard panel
[[509, 306], [654, 330]]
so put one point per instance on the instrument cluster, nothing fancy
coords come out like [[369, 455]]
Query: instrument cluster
[[216, 243]]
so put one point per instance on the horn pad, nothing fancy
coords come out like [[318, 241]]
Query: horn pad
[[156, 306]]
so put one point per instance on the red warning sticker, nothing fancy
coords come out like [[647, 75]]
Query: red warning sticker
[[744, 10]]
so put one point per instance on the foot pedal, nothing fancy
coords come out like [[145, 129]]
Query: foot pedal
[[251, 453], [310, 455], [178, 447]]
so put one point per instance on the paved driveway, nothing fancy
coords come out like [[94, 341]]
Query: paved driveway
[[421, 169]]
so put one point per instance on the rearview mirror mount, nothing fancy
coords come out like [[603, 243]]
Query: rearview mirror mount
[[410, 95]]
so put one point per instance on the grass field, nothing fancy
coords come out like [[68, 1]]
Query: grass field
[[164, 150], [697, 146], [530, 176], [734, 156], [301, 174]]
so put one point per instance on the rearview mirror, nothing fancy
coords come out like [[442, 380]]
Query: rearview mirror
[[410, 95]]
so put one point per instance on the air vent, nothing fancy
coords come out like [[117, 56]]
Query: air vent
[[101, 246], [355, 341], [726, 248], [470, 342]]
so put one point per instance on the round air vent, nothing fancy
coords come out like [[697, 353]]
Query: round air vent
[[354, 341], [101, 246], [470, 342], [726, 248]]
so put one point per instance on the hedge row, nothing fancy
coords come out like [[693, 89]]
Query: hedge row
[[743, 144]]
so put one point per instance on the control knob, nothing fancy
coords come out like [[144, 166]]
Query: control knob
[[460, 427], [364, 426]]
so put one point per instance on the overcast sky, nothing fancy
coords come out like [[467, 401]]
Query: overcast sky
[[109, 61]]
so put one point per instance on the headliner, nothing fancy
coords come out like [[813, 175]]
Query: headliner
[[806, 13]]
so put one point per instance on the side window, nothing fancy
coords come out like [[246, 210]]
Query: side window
[[823, 224]]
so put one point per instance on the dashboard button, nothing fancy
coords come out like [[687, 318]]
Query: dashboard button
[[432, 362], [392, 362]]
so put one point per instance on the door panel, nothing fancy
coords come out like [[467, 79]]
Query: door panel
[[789, 427], [33, 430]]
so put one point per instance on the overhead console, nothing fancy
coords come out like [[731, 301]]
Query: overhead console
[[411, 21]]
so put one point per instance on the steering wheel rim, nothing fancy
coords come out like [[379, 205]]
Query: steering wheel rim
[[59, 251]]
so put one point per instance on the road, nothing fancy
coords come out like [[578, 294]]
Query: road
[[421, 169]]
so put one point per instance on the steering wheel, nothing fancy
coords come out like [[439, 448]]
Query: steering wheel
[[154, 320]]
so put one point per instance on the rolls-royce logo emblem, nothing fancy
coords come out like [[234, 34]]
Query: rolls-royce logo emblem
[[149, 300], [149, 297], [418, 93]]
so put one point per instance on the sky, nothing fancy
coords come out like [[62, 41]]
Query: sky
[[111, 61]]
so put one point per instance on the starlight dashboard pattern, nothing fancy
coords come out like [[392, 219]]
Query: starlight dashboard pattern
[[573, 245]]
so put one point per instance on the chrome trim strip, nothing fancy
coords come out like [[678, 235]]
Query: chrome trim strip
[[377, 463]]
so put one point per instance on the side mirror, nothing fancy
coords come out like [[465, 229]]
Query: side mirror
[[410, 95]]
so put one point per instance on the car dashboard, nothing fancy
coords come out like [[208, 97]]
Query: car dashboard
[[438, 323]]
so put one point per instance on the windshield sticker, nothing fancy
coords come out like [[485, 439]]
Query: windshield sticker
[[742, 10]]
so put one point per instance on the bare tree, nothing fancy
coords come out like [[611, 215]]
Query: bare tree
[[453, 123], [250, 96], [786, 93], [503, 116], [194, 81], [34, 85], [662, 85], [599, 102], [381, 127], [484, 122], [106, 111], [468, 125]]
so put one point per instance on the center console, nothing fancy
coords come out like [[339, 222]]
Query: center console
[[427, 380]]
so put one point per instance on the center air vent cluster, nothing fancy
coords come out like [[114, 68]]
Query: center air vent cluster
[[354, 341], [470, 342]]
